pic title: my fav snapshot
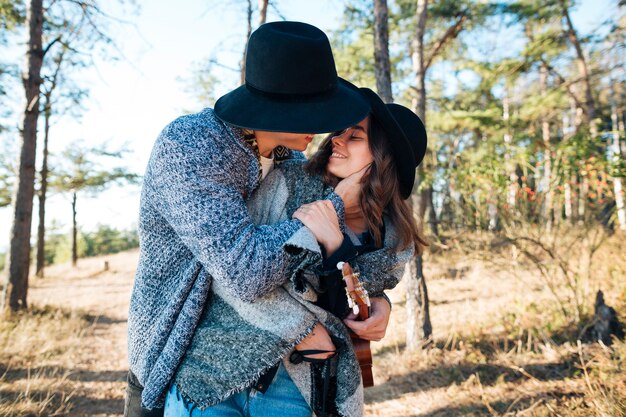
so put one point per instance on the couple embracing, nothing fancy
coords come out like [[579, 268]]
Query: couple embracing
[[238, 308]]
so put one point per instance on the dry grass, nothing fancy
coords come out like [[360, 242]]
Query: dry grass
[[69, 358], [502, 346], [37, 351]]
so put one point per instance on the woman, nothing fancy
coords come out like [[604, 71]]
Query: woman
[[380, 236]]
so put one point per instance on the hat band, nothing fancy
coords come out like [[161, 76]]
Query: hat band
[[290, 96]]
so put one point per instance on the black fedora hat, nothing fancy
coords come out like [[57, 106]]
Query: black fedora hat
[[406, 135], [291, 84]]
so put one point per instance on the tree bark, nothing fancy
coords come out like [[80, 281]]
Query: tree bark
[[245, 49], [547, 163], [47, 107], [43, 188], [426, 203], [419, 328], [616, 157], [583, 190], [74, 231], [417, 57], [382, 65], [418, 318], [263, 11], [508, 143], [569, 129], [15, 292]]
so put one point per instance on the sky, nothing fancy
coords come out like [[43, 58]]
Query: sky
[[132, 99]]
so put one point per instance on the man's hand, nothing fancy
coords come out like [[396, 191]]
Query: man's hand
[[349, 189], [375, 327], [321, 218], [318, 339]]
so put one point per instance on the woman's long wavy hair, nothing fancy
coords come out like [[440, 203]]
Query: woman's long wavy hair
[[380, 189]]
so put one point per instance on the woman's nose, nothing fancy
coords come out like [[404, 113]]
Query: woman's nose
[[338, 141]]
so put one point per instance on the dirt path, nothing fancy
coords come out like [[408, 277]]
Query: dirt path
[[101, 364]]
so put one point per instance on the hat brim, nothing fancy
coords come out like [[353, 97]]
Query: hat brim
[[398, 142], [341, 108]]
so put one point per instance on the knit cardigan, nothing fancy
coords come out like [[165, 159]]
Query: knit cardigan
[[235, 341], [195, 230]]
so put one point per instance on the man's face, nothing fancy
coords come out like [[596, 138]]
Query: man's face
[[270, 140]]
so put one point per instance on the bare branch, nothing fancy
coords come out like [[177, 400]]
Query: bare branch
[[451, 33], [275, 9], [50, 45]]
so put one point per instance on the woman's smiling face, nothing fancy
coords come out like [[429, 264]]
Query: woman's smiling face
[[351, 151]]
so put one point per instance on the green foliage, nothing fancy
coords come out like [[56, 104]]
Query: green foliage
[[12, 14], [201, 83], [83, 169], [353, 44], [107, 240], [104, 240], [6, 175]]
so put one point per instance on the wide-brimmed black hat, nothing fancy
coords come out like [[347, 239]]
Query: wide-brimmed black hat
[[406, 135], [291, 84]]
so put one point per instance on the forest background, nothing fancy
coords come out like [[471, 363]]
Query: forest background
[[524, 103]]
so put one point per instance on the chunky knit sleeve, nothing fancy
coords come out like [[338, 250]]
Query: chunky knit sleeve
[[382, 269], [198, 190]]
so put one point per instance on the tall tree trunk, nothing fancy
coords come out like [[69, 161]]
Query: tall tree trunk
[[583, 190], [74, 231], [426, 203], [417, 307], [262, 11], [15, 291], [567, 196], [616, 157], [242, 78], [570, 127], [41, 229], [547, 163], [478, 224], [47, 107], [417, 57], [382, 65], [508, 144], [581, 62], [419, 328]]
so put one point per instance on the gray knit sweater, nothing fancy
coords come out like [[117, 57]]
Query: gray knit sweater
[[194, 230], [236, 341]]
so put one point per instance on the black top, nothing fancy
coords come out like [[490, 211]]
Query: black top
[[332, 295]]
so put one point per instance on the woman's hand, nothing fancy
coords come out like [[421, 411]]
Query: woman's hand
[[375, 327], [318, 339], [321, 218], [349, 190]]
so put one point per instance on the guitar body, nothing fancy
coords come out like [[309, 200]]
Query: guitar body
[[358, 295], [364, 356]]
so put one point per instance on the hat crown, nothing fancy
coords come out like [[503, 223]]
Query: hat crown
[[290, 58]]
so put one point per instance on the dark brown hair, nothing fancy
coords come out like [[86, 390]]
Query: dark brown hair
[[380, 189]]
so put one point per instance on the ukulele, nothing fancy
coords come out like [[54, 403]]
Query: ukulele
[[359, 302]]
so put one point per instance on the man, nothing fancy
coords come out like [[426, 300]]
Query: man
[[194, 226]]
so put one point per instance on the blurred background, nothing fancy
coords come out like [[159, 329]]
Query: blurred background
[[514, 308]]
